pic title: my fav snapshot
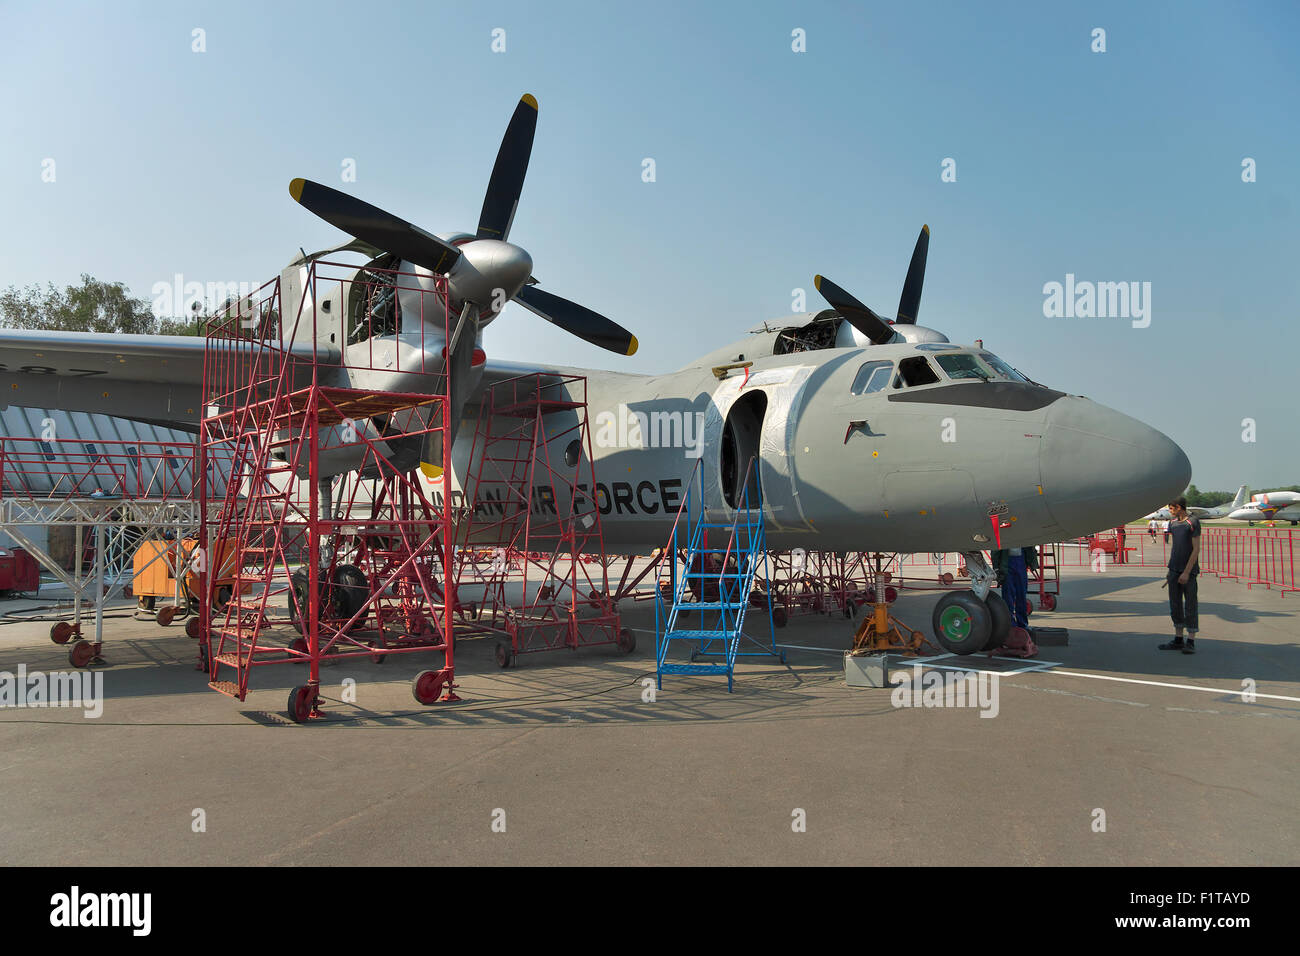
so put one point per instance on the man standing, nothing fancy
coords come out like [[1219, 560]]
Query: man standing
[[1181, 577], [1013, 567]]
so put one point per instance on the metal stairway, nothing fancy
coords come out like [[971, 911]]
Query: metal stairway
[[715, 587]]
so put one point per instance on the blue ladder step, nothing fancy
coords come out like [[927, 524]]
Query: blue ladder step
[[712, 606], [716, 635], [694, 669]]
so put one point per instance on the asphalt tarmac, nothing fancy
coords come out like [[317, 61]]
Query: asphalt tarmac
[[1103, 752]]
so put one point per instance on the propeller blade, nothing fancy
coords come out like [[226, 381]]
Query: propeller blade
[[578, 320], [857, 314], [909, 304], [371, 224], [507, 180]]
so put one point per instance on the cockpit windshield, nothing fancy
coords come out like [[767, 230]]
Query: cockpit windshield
[[961, 365], [1002, 368]]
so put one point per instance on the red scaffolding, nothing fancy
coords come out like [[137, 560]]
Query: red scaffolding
[[533, 517], [338, 550]]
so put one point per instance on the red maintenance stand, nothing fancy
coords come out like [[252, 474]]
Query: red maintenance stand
[[534, 505], [344, 567]]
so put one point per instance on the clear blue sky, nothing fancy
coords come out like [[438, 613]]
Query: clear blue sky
[[772, 166]]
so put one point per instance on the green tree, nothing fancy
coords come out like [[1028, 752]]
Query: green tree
[[93, 306]]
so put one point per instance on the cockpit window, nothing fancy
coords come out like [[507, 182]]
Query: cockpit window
[[1002, 368], [914, 371], [964, 365], [872, 377]]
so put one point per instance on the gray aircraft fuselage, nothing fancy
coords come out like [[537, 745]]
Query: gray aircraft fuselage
[[918, 468]]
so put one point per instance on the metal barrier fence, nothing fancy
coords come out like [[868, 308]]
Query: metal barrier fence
[[1259, 555]]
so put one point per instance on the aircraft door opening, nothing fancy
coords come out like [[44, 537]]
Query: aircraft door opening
[[740, 444]]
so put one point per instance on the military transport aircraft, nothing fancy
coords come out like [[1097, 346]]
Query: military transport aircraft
[[1218, 511], [869, 433]]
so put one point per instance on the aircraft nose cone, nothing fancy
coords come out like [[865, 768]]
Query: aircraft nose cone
[[1101, 468]]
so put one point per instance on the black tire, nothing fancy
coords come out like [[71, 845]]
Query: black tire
[[1001, 625], [961, 623], [351, 589]]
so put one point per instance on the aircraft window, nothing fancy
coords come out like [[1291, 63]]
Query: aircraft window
[[915, 371], [1002, 368], [964, 365], [934, 347], [872, 377]]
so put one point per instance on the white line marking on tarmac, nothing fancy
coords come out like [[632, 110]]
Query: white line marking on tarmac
[[1157, 683], [805, 647]]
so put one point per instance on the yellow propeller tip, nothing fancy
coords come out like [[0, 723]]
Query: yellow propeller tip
[[529, 99], [817, 283], [632, 345], [926, 230], [295, 189], [430, 471]]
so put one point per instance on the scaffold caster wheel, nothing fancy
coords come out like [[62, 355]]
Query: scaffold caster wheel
[[166, 614], [505, 656], [378, 657], [626, 640], [81, 653], [891, 594], [544, 592], [62, 631], [779, 616], [302, 701], [962, 623], [194, 628], [1047, 602], [299, 644], [427, 687], [946, 577], [886, 576], [850, 610]]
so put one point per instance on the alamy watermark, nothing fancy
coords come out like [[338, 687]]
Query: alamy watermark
[[84, 689], [628, 429], [1098, 300], [933, 688]]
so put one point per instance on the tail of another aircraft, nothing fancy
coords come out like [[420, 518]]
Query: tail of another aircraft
[[1240, 500]]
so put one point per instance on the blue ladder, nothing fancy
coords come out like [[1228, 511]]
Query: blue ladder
[[724, 580]]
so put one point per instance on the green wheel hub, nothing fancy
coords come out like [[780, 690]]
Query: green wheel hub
[[955, 622]]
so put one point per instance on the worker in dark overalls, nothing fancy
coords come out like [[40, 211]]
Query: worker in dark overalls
[[1013, 567]]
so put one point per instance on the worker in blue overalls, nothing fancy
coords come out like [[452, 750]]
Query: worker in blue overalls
[[1013, 567]]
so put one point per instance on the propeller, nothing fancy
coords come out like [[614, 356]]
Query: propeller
[[478, 268], [909, 303], [866, 321], [380, 229], [857, 314], [578, 320], [508, 173]]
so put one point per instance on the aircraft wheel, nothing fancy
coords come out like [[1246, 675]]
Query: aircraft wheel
[[961, 623], [1001, 626]]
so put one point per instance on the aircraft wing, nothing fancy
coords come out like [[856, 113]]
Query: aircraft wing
[[149, 378]]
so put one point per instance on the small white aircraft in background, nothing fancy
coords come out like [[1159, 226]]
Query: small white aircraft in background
[[1219, 511], [1270, 506]]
